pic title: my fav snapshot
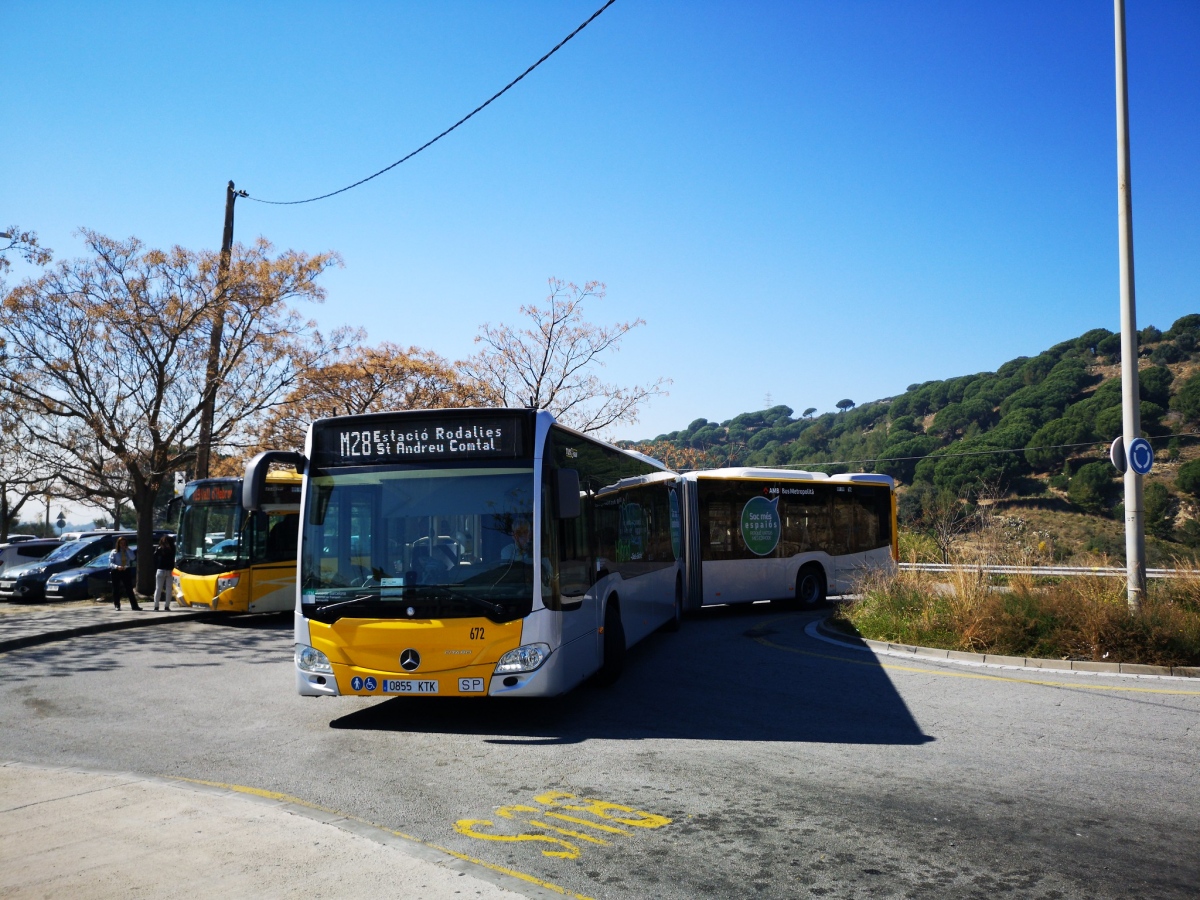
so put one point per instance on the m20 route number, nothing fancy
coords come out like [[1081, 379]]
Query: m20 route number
[[477, 634]]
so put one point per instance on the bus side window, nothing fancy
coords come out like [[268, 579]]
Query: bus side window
[[720, 529], [575, 569], [282, 533], [549, 550]]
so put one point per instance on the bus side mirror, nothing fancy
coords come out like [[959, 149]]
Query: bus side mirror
[[566, 493], [256, 474]]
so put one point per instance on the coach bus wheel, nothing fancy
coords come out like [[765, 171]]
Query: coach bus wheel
[[614, 645], [677, 619], [810, 586]]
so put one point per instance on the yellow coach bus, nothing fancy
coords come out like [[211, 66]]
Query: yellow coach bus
[[479, 552], [231, 561]]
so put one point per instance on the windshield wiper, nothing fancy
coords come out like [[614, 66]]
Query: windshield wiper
[[497, 610], [359, 599]]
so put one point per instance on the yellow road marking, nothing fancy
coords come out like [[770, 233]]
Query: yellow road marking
[[974, 675], [569, 833], [596, 825], [288, 798]]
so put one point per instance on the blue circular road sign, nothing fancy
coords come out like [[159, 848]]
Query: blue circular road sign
[[1141, 456]]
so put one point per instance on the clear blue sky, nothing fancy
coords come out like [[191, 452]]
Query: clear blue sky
[[811, 200]]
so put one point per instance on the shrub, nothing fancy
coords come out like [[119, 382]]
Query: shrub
[[1079, 618], [1154, 384], [1187, 479], [1187, 400], [1157, 500], [1092, 487]]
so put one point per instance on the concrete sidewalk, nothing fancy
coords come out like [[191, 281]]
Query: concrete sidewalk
[[71, 833], [29, 624]]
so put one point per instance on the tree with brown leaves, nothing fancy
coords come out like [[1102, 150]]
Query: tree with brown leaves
[[364, 380], [105, 357]]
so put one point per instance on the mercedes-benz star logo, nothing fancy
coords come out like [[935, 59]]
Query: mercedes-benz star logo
[[409, 660]]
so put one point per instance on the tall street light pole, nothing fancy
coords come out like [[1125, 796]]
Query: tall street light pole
[[208, 407], [1131, 419]]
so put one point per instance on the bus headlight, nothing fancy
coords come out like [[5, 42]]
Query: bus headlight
[[225, 582], [310, 659], [523, 659]]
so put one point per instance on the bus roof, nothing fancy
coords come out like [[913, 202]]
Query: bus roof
[[752, 473]]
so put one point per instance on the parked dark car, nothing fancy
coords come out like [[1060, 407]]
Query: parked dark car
[[92, 580], [27, 583], [19, 553]]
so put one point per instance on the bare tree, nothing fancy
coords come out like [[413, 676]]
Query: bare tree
[[946, 516], [367, 379], [15, 242], [551, 364], [25, 473], [107, 353]]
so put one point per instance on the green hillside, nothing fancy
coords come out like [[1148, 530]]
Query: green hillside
[[1036, 430]]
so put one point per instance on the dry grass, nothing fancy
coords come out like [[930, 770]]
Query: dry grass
[[1083, 618]]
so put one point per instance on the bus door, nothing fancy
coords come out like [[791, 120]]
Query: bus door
[[272, 571]]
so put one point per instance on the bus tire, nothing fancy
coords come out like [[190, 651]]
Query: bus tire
[[677, 619], [614, 644], [810, 586]]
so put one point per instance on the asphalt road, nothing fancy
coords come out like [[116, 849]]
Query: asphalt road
[[738, 758]]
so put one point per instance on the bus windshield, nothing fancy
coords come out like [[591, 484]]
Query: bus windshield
[[209, 537], [418, 543]]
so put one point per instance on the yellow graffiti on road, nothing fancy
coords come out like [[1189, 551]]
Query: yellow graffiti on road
[[550, 804]]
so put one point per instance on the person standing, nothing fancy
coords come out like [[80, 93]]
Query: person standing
[[120, 565], [164, 564]]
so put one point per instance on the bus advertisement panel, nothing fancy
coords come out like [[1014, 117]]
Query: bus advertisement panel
[[474, 553], [230, 561]]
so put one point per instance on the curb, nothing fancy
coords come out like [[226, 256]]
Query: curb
[[1008, 662], [33, 640]]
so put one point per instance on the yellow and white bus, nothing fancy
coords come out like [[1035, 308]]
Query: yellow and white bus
[[479, 552], [230, 561], [778, 534]]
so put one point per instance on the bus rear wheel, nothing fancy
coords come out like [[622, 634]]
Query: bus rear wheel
[[810, 586], [614, 645]]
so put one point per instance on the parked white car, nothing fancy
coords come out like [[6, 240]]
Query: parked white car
[[21, 552]]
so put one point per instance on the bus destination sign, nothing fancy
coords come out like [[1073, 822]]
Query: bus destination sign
[[418, 439], [213, 493]]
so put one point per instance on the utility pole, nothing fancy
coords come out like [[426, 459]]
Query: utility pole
[[1131, 419], [208, 409]]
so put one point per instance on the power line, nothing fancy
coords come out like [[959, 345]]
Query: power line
[[432, 141]]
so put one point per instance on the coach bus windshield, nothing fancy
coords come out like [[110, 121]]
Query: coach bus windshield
[[418, 543], [210, 522]]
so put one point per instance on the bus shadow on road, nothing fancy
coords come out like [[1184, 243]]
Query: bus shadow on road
[[730, 674]]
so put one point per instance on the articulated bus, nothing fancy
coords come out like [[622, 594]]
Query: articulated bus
[[474, 552], [775, 534], [231, 561]]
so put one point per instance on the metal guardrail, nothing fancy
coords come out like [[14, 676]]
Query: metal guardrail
[[1048, 571]]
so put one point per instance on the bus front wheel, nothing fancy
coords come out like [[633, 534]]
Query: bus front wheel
[[810, 586], [614, 644]]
